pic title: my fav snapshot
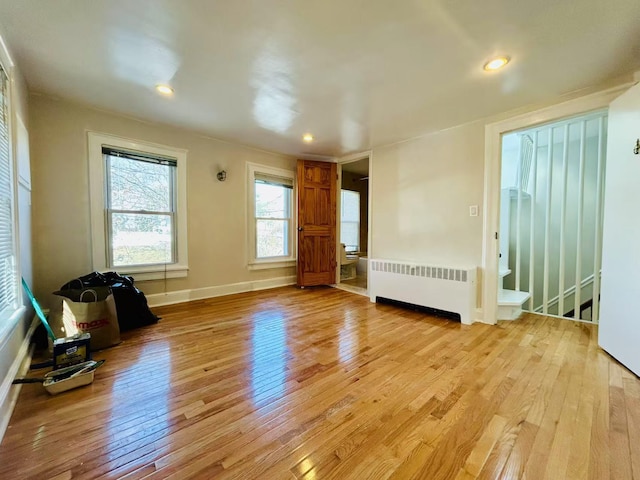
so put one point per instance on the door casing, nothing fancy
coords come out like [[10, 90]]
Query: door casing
[[492, 179], [341, 161]]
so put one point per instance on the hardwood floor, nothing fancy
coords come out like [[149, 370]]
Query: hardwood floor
[[322, 384], [359, 281]]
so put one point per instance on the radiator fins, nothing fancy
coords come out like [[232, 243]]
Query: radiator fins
[[441, 273]]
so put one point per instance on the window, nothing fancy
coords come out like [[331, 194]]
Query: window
[[271, 230], [138, 207], [8, 265], [350, 220]]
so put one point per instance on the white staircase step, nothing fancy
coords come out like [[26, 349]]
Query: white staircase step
[[510, 304], [511, 297], [504, 272]]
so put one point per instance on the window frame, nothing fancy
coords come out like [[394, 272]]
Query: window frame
[[99, 206], [12, 314], [356, 222], [253, 262]]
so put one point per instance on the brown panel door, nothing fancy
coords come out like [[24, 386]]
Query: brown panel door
[[316, 223]]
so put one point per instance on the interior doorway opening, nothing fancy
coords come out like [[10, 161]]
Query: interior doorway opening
[[551, 205], [353, 217]]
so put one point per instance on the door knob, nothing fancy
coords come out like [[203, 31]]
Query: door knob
[[300, 229]]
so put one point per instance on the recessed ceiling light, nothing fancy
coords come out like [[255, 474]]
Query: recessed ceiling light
[[164, 89], [496, 63], [307, 137]]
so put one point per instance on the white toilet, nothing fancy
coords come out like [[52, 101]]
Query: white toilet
[[348, 264]]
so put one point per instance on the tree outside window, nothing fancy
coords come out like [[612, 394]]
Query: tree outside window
[[273, 218], [140, 210], [271, 212]]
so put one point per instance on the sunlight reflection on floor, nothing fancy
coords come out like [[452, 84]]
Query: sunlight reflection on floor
[[269, 351], [152, 403]]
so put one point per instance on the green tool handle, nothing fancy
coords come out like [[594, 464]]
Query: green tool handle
[[38, 310]]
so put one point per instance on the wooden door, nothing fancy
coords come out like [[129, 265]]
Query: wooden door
[[317, 183]]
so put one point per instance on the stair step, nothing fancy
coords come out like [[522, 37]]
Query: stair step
[[512, 298]]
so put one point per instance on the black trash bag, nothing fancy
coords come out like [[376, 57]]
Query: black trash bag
[[131, 303], [93, 279]]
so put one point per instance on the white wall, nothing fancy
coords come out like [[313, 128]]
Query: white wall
[[217, 226], [421, 191]]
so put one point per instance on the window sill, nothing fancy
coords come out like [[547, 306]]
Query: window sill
[[153, 272], [265, 265], [8, 324]]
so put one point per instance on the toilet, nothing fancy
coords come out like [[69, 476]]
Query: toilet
[[348, 264]]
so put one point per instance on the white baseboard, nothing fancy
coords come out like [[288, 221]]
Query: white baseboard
[[19, 367], [180, 296], [480, 318]]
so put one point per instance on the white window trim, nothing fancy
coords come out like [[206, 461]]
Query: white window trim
[[12, 316], [98, 208], [274, 262]]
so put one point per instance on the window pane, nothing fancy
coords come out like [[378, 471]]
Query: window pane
[[138, 185], [350, 235], [272, 238], [350, 220], [139, 239], [7, 252], [272, 201], [350, 206]]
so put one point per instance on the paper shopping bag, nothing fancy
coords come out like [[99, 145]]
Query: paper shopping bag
[[91, 310]]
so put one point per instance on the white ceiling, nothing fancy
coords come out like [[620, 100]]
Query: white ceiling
[[355, 73]]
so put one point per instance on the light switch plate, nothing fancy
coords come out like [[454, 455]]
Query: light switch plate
[[473, 211]]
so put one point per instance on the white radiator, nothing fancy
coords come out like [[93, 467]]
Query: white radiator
[[441, 288]]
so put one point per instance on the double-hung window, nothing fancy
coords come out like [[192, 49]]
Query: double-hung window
[[8, 264], [271, 223], [350, 220], [138, 207]]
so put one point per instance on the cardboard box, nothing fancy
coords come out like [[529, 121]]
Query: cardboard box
[[70, 351]]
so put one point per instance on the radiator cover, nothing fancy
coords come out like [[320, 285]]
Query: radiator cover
[[441, 288]]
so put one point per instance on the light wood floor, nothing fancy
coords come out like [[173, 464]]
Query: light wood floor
[[322, 384], [359, 281]]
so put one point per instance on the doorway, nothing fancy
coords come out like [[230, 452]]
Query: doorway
[[551, 205], [492, 166], [353, 217]]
